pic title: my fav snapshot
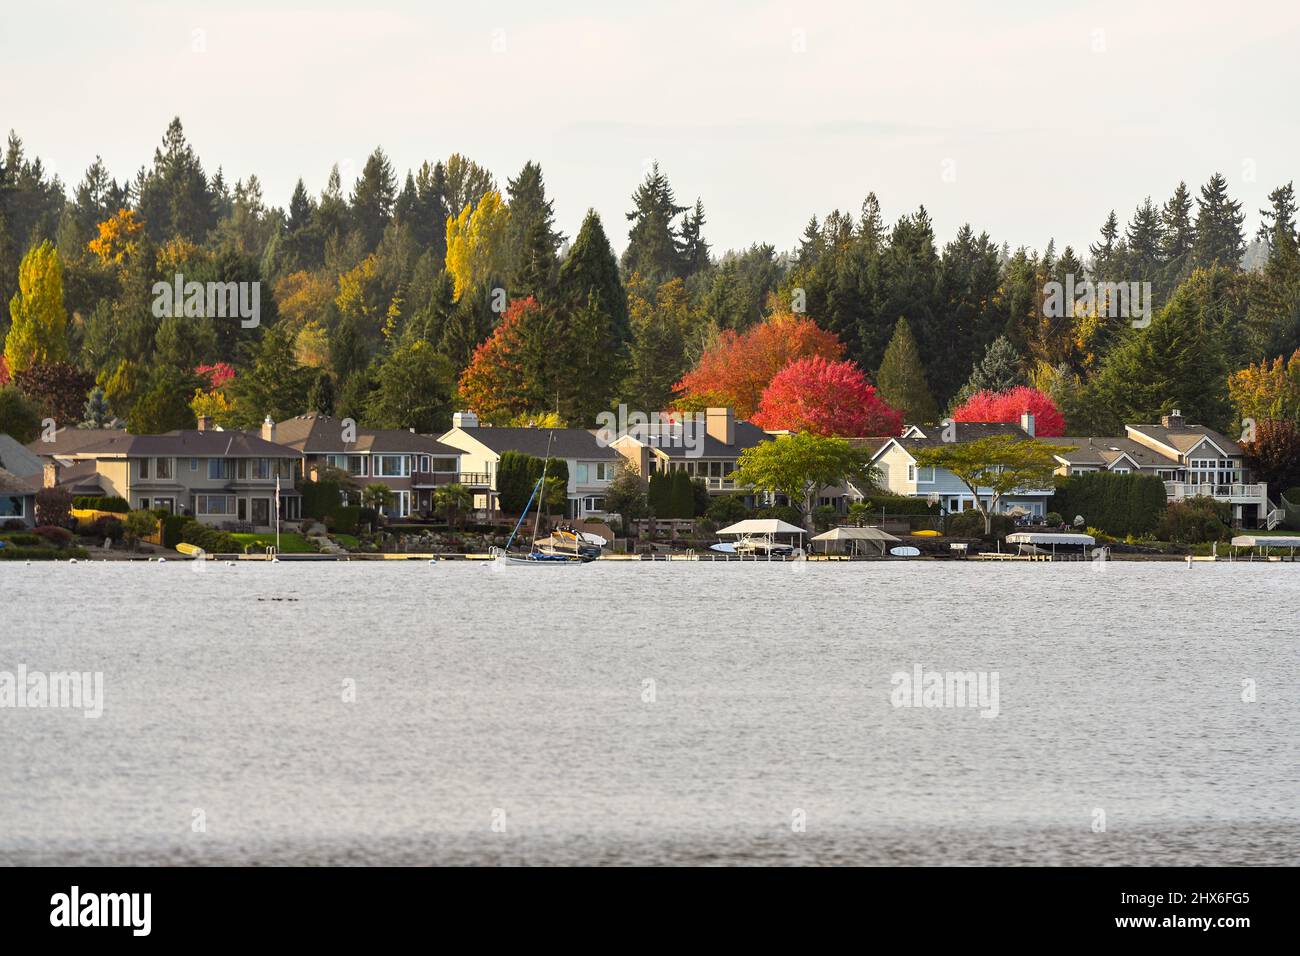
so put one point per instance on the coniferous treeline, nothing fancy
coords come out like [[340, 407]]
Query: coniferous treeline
[[396, 297]]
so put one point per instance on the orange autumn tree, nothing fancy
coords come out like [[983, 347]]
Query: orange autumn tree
[[1269, 390], [497, 384], [736, 369], [826, 398]]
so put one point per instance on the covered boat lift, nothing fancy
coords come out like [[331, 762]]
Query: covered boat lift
[[855, 536], [1262, 542], [754, 534], [1033, 542]]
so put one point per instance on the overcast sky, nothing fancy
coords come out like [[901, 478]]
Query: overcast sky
[[1029, 121]]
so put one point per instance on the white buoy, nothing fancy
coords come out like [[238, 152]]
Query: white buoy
[[1189, 560], [162, 560]]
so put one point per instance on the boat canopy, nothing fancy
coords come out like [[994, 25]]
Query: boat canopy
[[855, 534], [761, 526], [1266, 541], [1049, 537]]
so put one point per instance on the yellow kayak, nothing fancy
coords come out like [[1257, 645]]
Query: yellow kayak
[[193, 550]]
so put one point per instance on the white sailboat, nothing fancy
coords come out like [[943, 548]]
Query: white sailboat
[[536, 556]]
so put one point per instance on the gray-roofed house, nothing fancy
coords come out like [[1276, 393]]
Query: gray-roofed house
[[411, 465], [592, 464], [18, 498], [1192, 460], [707, 449], [901, 474], [223, 478]]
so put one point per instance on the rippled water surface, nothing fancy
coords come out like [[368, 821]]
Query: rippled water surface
[[636, 713]]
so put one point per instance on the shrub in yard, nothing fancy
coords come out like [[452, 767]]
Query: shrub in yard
[[727, 509], [1116, 503], [346, 519], [970, 524], [172, 526], [106, 527], [54, 536], [54, 506], [212, 540], [41, 554], [1196, 521]]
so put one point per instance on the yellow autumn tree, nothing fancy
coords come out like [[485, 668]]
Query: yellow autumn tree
[[38, 334], [119, 237], [212, 404], [311, 345], [361, 294], [176, 254], [476, 242], [303, 297]]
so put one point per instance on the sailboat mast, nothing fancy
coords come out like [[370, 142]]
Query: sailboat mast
[[542, 487]]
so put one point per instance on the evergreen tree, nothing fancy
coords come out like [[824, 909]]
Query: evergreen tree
[[532, 235], [535, 265], [652, 250], [97, 412], [999, 370], [1144, 241], [321, 396], [373, 197], [175, 199], [692, 250], [1219, 237], [1103, 253], [1277, 228], [901, 379], [591, 268]]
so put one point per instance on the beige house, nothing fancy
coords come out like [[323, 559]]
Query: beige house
[[219, 477], [1192, 461], [592, 465]]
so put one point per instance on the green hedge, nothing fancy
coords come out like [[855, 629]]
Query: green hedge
[[346, 519], [12, 553], [320, 499], [110, 503], [172, 527], [22, 539], [1117, 504]]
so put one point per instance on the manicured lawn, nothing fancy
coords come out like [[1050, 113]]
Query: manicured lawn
[[349, 541], [290, 542]]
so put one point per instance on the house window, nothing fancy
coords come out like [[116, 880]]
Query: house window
[[441, 464], [582, 473], [144, 469], [284, 467], [220, 468], [194, 464], [259, 468], [1120, 471], [604, 471], [214, 504], [424, 463], [11, 506], [393, 466], [922, 476], [143, 504], [162, 468]]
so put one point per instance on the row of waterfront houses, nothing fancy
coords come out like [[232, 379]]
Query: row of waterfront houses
[[233, 477]]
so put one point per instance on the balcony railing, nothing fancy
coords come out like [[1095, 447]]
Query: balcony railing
[[427, 479], [723, 484], [1177, 490]]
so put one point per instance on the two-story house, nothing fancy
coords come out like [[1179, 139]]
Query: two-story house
[[218, 477], [902, 474], [410, 465], [1192, 461], [591, 464]]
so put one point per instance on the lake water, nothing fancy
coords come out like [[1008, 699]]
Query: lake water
[[636, 713]]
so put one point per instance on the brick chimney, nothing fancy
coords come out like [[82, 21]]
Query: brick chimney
[[268, 429], [50, 475], [1027, 422], [720, 424], [205, 422], [1173, 420]]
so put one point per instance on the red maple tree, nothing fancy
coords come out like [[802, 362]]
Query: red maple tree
[[826, 398], [495, 383], [1009, 405], [740, 365]]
